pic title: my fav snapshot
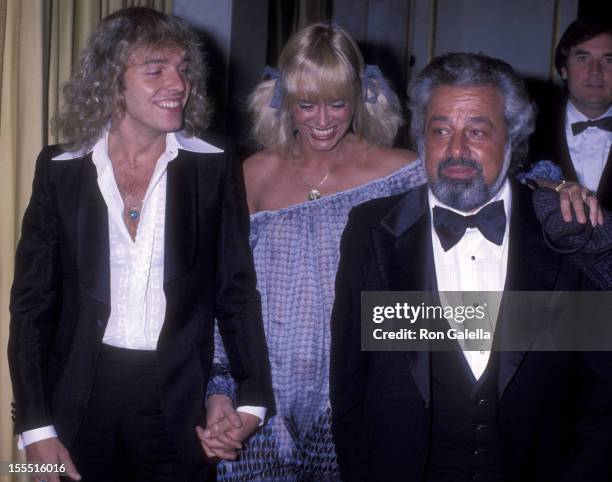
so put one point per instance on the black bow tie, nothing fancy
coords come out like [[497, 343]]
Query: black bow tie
[[605, 123], [450, 226]]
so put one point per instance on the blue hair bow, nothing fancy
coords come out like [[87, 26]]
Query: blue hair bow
[[373, 83], [269, 73]]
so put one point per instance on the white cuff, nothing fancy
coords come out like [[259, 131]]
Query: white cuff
[[35, 435], [259, 412]]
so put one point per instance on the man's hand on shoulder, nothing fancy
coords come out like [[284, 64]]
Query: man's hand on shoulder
[[51, 451], [573, 199]]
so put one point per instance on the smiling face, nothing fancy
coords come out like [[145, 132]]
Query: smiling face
[[156, 91], [588, 72], [321, 125], [465, 138]]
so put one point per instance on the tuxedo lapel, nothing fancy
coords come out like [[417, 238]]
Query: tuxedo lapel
[[402, 245], [562, 152], [531, 267], [92, 244], [181, 216], [404, 258], [604, 189]]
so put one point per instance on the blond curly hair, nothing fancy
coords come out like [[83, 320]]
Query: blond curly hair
[[93, 96]]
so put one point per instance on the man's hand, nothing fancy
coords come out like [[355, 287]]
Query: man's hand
[[225, 428], [223, 439], [221, 415], [51, 451], [573, 195], [576, 196]]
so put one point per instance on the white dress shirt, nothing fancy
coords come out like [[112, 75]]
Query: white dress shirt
[[588, 150], [138, 301], [473, 264]]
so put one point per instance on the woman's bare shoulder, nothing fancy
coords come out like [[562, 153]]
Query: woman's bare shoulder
[[386, 160], [397, 158], [258, 166], [259, 170]]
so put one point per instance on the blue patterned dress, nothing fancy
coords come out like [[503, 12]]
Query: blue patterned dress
[[296, 253]]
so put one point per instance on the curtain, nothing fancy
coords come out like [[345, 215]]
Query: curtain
[[39, 41], [285, 17]]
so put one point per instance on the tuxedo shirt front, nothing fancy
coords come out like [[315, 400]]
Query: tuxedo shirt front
[[473, 264], [589, 150]]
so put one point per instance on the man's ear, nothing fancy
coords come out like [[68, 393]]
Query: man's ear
[[563, 73]]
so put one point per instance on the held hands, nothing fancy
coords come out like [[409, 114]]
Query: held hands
[[51, 451], [574, 197], [225, 428]]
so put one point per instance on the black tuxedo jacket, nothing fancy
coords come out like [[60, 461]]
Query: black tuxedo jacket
[[554, 409], [60, 300], [550, 142]]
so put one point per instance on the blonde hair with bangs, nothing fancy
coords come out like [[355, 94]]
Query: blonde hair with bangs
[[321, 62]]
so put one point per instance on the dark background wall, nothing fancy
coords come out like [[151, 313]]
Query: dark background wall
[[401, 36]]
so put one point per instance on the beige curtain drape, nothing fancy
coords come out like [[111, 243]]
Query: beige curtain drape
[[39, 41]]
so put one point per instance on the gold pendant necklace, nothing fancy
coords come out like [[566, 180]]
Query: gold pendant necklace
[[313, 192]]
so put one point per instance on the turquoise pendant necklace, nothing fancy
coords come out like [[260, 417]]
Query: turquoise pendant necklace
[[134, 213]]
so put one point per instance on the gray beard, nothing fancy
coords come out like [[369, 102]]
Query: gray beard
[[463, 194]]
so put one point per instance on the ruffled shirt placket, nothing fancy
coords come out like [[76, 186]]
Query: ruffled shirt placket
[[136, 265]]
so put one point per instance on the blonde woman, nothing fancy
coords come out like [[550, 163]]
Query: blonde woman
[[327, 122]]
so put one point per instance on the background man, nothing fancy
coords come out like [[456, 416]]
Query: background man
[[134, 241], [577, 132], [463, 415]]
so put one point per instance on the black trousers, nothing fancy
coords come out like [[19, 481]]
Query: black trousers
[[123, 436]]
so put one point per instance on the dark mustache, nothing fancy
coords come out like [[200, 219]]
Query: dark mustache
[[462, 161]]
